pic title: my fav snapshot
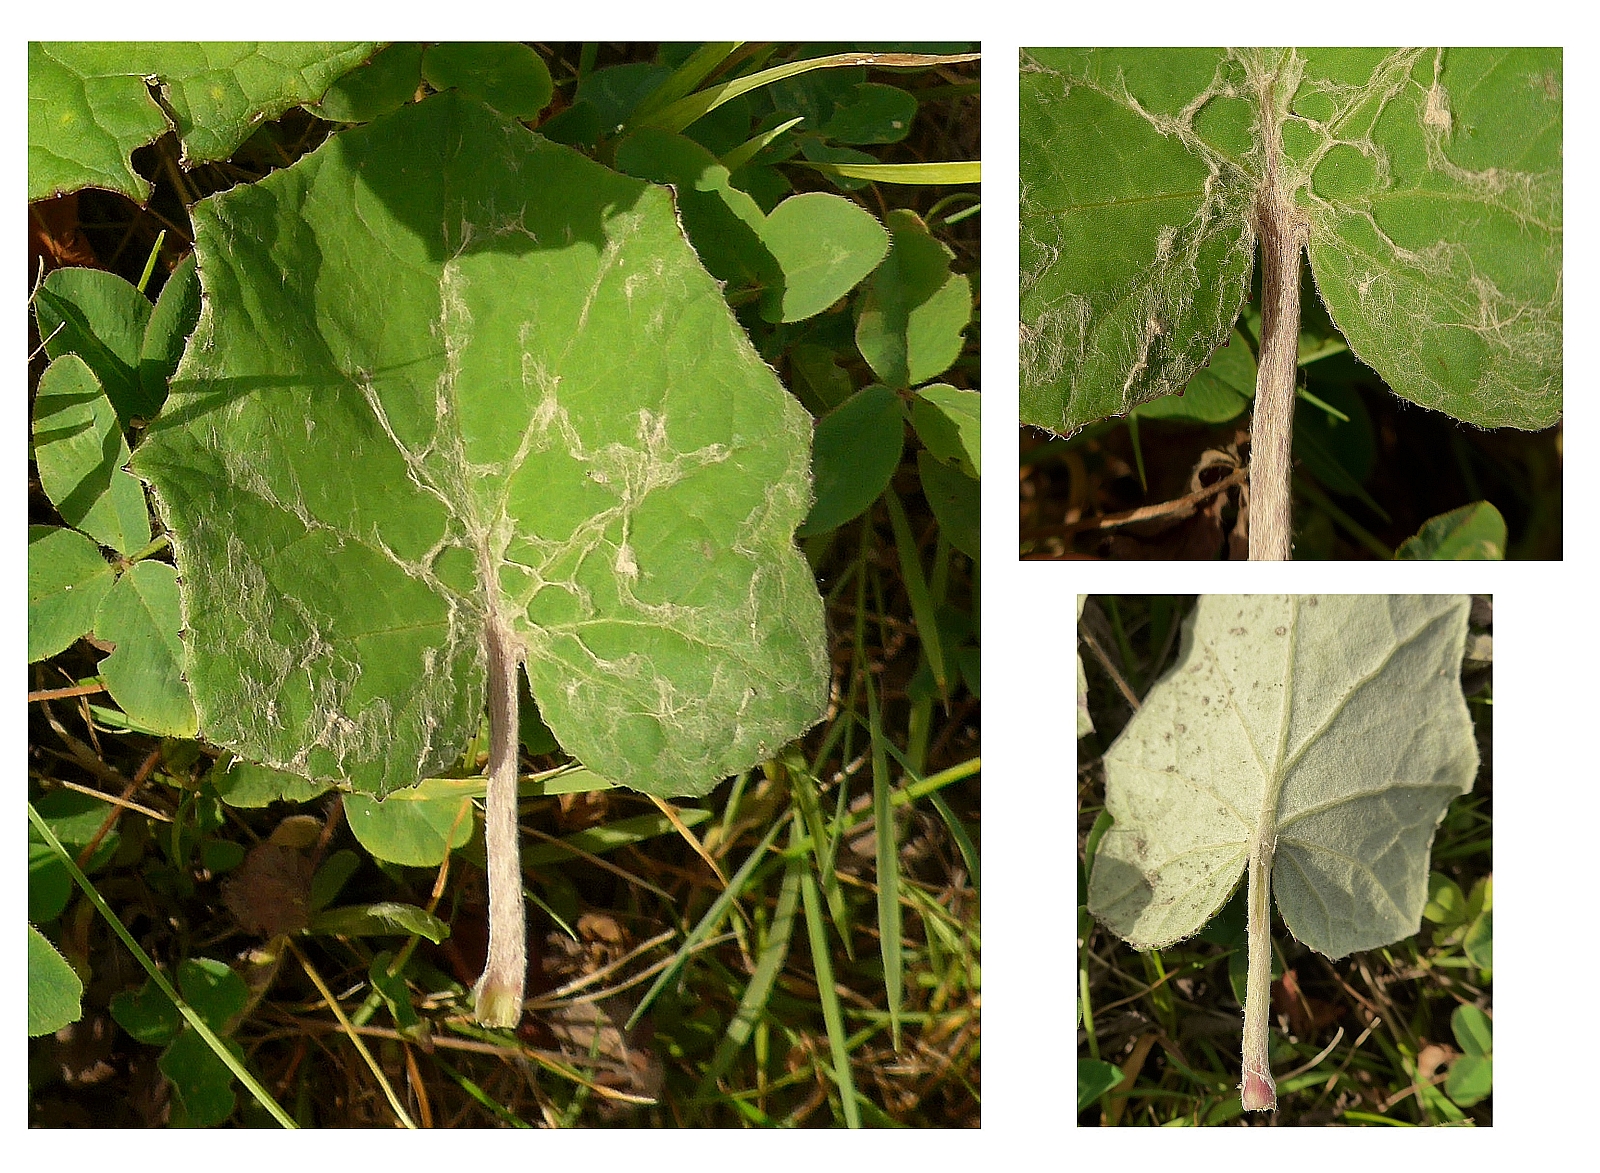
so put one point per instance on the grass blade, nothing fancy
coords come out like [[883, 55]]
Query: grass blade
[[702, 63], [610, 836], [910, 173], [686, 111], [923, 611], [803, 787], [744, 152], [350, 1033], [832, 1015], [889, 939], [958, 832], [708, 923], [753, 1002]]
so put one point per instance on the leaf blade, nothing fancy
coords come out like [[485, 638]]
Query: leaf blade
[[381, 448], [1285, 720]]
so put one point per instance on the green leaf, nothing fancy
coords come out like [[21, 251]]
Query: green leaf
[[613, 93], [141, 616], [550, 417], [871, 113], [1471, 1079], [1095, 1078], [787, 96], [1481, 899], [1475, 531], [220, 855], [836, 162], [811, 250], [1333, 726], [911, 314], [694, 65], [1473, 1030], [1134, 266], [410, 828], [1443, 267], [509, 77], [814, 370], [1471, 1076], [885, 839], [171, 322], [49, 882], [108, 323], [81, 453], [1446, 906], [956, 502], [1431, 185], [102, 319], [74, 818], [332, 876], [948, 421], [1219, 391], [213, 990], [87, 113], [1339, 453], [55, 994], [1478, 944], [391, 987], [742, 154], [386, 82], [90, 105], [907, 173], [532, 732], [858, 447], [723, 223], [246, 785], [924, 611], [380, 920], [147, 1014], [825, 245], [201, 1081], [67, 579]]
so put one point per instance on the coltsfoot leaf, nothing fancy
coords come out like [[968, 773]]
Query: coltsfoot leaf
[[448, 371], [90, 106], [1429, 182], [1332, 727]]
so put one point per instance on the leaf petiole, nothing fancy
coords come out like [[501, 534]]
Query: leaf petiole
[[1258, 1093], [497, 998], [1272, 422]]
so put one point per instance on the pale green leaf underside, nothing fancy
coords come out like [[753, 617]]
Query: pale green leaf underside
[[1334, 725], [446, 369], [1431, 181]]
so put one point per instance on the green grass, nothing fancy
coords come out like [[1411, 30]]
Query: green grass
[[1171, 1018]]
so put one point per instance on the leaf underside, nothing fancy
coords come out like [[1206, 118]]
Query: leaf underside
[[1332, 726], [1430, 181], [446, 369]]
